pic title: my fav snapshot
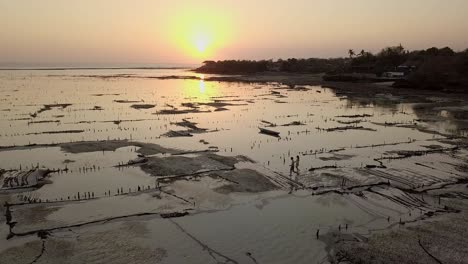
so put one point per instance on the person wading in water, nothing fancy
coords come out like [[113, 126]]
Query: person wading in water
[[297, 164], [291, 168]]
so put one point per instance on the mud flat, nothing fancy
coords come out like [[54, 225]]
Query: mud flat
[[126, 101], [48, 107], [186, 183], [207, 189], [142, 106], [112, 145], [440, 241], [391, 172]]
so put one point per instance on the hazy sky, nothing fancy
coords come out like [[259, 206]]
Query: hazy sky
[[111, 32]]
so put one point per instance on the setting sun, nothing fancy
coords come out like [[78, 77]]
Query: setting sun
[[200, 33], [202, 43]]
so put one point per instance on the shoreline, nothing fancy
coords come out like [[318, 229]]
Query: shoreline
[[284, 78], [92, 68]]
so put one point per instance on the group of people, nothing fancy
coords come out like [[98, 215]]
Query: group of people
[[294, 165]]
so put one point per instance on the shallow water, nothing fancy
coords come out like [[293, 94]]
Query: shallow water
[[270, 229], [354, 145], [234, 131]]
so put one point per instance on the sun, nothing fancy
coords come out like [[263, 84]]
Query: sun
[[201, 40], [200, 33], [201, 44]]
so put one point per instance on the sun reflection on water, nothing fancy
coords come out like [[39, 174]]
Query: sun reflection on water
[[200, 91], [202, 86]]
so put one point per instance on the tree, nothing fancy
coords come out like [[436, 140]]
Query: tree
[[447, 51], [432, 51], [351, 53], [390, 58]]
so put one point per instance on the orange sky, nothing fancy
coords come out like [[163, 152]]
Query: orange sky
[[113, 32]]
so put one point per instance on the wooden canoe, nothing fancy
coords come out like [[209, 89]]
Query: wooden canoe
[[269, 132]]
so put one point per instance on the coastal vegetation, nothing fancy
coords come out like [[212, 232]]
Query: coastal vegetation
[[433, 68], [292, 65]]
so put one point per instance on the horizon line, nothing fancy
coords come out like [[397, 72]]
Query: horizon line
[[94, 68]]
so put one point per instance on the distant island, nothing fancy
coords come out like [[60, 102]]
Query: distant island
[[431, 69]]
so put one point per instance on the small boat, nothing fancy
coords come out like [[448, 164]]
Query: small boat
[[269, 132]]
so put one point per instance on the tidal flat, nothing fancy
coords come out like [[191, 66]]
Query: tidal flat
[[170, 166]]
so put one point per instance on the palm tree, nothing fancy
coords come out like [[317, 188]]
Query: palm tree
[[362, 53], [351, 53]]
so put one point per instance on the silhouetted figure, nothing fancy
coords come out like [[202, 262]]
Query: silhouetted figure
[[291, 167], [15, 179], [297, 164]]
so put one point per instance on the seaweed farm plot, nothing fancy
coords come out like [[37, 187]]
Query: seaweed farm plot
[[165, 164]]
